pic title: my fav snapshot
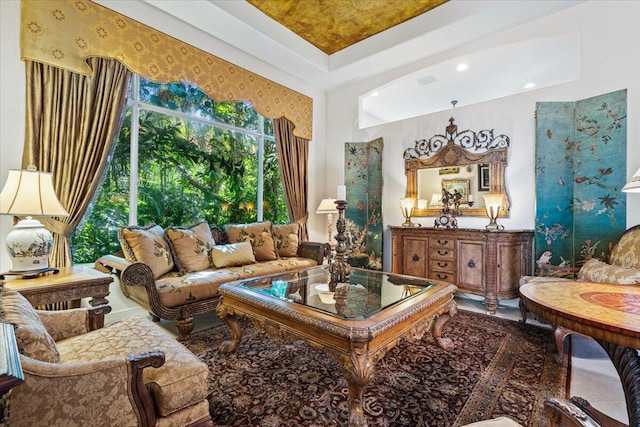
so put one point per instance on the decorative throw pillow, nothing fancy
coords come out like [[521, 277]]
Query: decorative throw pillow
[[190, 246], [287, 238], [232, 254], [147, 245], [626, 253], [32, 337], [258, 234], [595, 270]]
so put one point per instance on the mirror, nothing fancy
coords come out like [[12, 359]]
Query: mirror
[[447, 161]]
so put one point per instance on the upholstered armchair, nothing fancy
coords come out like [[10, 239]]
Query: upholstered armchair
[[129, 373]]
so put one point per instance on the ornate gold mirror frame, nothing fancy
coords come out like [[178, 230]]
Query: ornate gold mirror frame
[[457, 149]]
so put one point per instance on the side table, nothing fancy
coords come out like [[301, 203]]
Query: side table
[[71, 283]]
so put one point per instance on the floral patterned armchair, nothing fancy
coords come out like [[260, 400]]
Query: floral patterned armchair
[[129, 373]]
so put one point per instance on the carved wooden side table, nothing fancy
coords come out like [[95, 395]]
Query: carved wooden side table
[[71, 283]]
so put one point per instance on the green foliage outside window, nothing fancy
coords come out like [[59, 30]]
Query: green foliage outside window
[[189, 170]]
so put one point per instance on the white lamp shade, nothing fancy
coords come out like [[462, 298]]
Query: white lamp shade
[[28, 192], [493, 200], [408, 202], [436, 199], [327, 206], [633, 186]]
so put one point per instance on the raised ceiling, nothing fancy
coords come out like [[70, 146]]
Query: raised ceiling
[[332, 25]]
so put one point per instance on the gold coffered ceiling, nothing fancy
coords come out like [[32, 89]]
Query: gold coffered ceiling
[[332, 25]]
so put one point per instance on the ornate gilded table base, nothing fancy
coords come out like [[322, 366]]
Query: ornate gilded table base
[[355, 344]]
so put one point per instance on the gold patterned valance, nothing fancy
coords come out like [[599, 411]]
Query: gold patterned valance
[[64, 33]]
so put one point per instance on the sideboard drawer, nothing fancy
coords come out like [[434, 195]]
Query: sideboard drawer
[[444, 265], [444, 276], [441, 243], [442, 253]]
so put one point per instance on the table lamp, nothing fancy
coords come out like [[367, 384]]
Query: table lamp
[[633, 186], [328, 207], [407, 205], [493, 204], [29, 193]]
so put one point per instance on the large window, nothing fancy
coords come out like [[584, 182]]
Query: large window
[[181, 158]]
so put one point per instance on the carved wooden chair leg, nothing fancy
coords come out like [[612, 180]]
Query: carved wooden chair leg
[[185, 327]]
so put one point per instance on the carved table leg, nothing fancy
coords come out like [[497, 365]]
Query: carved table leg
[[358, 371], [627, 363], [228, 316], [523, 311], [560, 333], [438, 325]]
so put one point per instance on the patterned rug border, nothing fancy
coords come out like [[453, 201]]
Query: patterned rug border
[[496, 391]]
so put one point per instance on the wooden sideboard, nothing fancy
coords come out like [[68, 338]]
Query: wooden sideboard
[[478, 262]]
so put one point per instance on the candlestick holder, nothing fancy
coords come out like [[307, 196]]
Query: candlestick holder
[[339, 269]]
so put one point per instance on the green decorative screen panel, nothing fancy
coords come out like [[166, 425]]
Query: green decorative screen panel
[[580, 169], [363, 179]]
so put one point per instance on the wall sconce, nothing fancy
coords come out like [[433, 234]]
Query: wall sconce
[[328, 207], [406, 205], [633, 186], [29, 193], [493, 204]]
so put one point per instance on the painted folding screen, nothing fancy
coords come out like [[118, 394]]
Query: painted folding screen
[[581, 157], [363, 179]]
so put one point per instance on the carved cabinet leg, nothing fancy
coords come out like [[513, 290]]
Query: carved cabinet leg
[[228, 316]]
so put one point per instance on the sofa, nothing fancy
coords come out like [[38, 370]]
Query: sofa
[[622, 267], [175, 273], [129, 373]]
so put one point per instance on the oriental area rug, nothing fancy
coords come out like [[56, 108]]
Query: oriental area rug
[[498, 368]]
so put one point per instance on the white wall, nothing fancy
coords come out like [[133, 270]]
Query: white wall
[[13, 99], [610, 60]]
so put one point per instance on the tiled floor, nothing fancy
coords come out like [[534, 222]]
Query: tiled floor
[[593, 376]]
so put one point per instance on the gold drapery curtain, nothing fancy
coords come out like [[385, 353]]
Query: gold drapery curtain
[[66, 33], [71, 124], [293, 156]]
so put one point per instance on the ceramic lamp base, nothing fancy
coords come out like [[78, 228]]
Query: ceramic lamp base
[[29, 245]]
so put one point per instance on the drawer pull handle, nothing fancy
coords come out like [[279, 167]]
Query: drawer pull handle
[[442, 264], [415, 257], [471, 264], [442, 276], [442, 252], [442, 242]]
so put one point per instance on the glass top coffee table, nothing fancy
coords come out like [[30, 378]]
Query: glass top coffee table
[[355, 326]]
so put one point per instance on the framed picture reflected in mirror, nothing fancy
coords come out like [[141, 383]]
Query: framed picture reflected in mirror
[[484, 178], [459, 185]]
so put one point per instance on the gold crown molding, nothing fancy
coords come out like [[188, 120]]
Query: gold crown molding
[[64, 33]]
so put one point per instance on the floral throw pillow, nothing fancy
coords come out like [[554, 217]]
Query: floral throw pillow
[[191, 246], [147, 245], [31, 336], [258, 234], [287, 239]]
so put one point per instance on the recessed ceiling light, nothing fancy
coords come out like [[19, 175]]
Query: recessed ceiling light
[[462, 66], [530, 85]]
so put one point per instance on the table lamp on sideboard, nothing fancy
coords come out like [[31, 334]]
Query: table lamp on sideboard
[[29, 193]]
